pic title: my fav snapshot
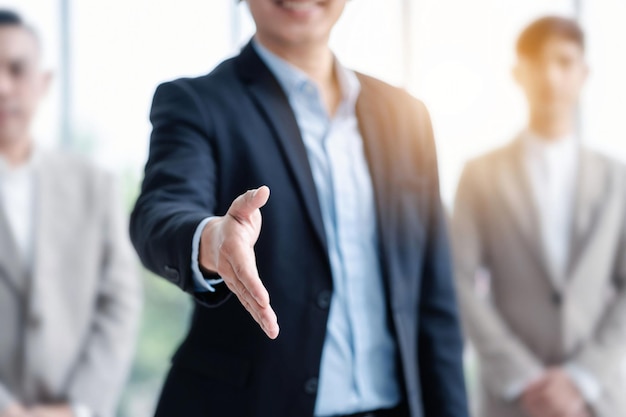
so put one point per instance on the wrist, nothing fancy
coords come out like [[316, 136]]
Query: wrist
[[207, 250], [585, 383]]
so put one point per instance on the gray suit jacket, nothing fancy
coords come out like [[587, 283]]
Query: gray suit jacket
[[531, 319], [67, 330]]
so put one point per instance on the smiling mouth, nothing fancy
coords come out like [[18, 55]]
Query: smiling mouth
[[298, 6]]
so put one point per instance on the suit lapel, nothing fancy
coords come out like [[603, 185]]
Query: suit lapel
[[516, 189], [53, 208], [58, 207], [274, 105], [11, 269], [590, 190], [42, 246], [371, 115], [52, 204]]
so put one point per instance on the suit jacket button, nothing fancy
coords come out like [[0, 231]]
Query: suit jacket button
[[34, 321], [310, 387], [323, 299], [557, 299], [172, 274]]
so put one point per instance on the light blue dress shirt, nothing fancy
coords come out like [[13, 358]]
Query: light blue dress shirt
[[359, 358]]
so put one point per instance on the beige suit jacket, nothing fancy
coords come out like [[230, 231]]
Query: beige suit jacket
[[67, 329], [530, 319]]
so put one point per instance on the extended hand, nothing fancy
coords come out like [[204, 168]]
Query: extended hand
[[227, 248]]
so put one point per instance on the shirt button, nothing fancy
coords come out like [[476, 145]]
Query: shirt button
[[310, 387], [557, 299], [323, 299]]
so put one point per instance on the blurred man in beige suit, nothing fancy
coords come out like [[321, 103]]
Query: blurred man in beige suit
[[543, 222], [69, 292]]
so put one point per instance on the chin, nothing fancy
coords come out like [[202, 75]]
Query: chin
[[8, 135], [299, 34]]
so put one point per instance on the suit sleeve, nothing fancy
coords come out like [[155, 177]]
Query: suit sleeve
[[606, 350], [99, 376], [508, 365], [440, 341], [178, 190]]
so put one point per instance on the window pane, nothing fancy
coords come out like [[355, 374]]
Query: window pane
[[603, 104], [122, 51], [462, 62]]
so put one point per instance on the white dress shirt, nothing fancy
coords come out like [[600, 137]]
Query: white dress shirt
[[17, 195], [552, 169], [18, 203]]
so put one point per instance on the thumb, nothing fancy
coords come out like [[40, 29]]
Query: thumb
[[249, 202]]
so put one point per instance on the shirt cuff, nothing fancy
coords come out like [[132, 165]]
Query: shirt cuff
[[201, 284], [80, 410], [515, 390], [586, 383]]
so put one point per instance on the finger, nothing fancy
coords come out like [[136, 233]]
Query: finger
[[243, 263], [540, 392], [533, 396], [238, 265], [239, 289], [578, 408], [248, 306], [231, 280], [247, 203], [539, 383], [244, 298], [265, 317], [539, 402], [266, 314]]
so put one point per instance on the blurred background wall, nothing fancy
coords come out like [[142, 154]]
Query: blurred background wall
[[456, 55]]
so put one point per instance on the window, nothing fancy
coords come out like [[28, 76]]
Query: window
[[602, 108]]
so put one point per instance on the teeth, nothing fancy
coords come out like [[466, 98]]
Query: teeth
[[298, 5]]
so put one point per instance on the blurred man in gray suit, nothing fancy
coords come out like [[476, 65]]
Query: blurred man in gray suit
[[543, 221], [69, 292]]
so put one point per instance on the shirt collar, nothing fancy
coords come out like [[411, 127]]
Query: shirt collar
[[293, 80], [348, 83], [537, 145], [28, 165]]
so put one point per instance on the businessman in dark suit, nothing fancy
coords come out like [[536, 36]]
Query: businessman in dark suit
[[353, 250]]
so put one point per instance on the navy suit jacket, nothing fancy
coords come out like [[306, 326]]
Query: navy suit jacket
[[216, 136]]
